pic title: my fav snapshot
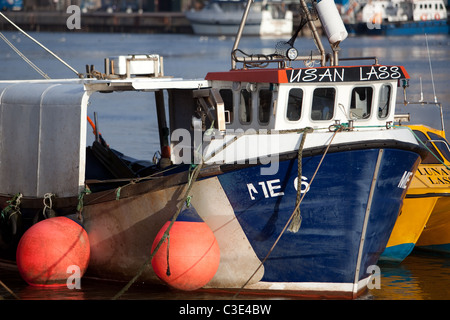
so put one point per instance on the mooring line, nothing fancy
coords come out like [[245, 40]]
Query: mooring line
[[290, 218], [9, 290], [191, 181]]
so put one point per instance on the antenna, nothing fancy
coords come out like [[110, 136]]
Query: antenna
[[421, 89], [431, 69], [439, 104]]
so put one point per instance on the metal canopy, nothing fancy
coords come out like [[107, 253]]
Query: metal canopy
[[42, 138]]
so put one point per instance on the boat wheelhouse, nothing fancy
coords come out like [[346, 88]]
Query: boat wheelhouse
[[300, 173]]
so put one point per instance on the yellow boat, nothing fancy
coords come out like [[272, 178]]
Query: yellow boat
[[424, 220]]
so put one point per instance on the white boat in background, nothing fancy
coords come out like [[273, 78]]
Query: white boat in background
[[223, 17], [400, 17]]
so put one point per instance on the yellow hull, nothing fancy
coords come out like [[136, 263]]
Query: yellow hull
[[436, 234], [425, 216], [411, 221], [409, 224]]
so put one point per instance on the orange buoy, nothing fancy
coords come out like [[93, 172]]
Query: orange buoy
[[47, 250], [194, 253]]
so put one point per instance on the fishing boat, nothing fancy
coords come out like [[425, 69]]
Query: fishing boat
[[298, 172], [400, 17], [433, 176], [422, 118], [421, 199], [223, 18]]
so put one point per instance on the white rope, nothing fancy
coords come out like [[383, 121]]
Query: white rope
[[35, 67], [41, 45]]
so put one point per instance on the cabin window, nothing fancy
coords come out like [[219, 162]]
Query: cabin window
[[361, 102], [245, 106], [441, 144], [429, 158], [227, 97], [294, 105], [323, 104], [384, 101], [265, 103]]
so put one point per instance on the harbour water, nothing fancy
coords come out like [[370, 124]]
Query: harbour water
[[420, 277]]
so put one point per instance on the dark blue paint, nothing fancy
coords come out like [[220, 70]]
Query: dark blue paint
[[189, 214], [325, 249], [402, 28]]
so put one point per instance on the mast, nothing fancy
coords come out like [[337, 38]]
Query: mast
[[316, 36], [331, 22], [240, 30]]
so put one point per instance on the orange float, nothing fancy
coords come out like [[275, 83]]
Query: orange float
[[193, 256], [49, 248]]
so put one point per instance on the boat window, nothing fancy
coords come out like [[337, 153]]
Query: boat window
[[294, 106], [430, 158], [384, 101], [361, 102], [323, 104], [227, 97], [245, 106], [265, 103], [441, 144]]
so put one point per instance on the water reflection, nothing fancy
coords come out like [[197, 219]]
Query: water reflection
[[419, 277], [50, 293]]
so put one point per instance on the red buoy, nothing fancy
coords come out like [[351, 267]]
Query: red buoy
[[194, 253], [47, 250]]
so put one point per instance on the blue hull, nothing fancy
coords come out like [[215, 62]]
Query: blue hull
[[402, 28], [396, 254], [326, 249]]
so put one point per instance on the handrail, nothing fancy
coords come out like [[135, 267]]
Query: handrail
[[361, 58]]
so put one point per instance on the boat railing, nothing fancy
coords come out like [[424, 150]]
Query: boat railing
[[262, 61], [375, 59]]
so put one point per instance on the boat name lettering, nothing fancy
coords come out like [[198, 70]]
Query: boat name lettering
[[435, 175], [342, 74], [272, 188], [269, 189]]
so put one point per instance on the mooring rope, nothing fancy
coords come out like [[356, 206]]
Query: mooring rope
[[12, 210], [9, 290], [339, 129], [193, 177], [297, 218]]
